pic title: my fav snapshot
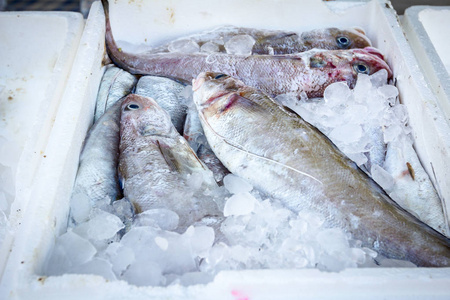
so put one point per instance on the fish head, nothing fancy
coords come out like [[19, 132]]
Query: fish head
[[335, 38], [209, 87], [345, 65], [217, 94], [144, 117]]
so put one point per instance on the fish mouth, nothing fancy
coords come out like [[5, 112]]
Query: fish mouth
[[198, 82]]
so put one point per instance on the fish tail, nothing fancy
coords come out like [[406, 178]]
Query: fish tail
[[121, 59]]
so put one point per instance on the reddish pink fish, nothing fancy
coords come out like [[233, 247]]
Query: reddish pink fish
[[308, 72]]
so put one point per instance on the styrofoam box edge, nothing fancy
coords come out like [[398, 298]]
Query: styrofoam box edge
[[37, 139], [426, 54], [75, 114], [437, 77]]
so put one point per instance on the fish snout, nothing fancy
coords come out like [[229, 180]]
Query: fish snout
[[198, 82]]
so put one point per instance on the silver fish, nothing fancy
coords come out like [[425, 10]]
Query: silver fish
[[194, 135], [168, 94], [272, 42], [158, 169], [279, 153], [116, 83], [307, 72], [96, 184]]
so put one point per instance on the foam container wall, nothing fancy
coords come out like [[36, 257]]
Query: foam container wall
[[426, 28], [36, 55], [153, 22]]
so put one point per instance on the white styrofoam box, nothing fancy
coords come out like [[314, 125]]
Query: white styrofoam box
[[427, 31], [426, 28], [157, 21], [36, 55]]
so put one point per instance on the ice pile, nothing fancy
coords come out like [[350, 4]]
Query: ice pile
[[255, 233], [371, 127], [359, 121]]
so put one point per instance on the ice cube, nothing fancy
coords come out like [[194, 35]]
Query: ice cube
[[346, 133], [391, 133], [159, 217], [209, 47], [389, 92], [235, 184], [382, 177], [379, 78], [96, 266], [239, 204], [240, 45], [337, 93], [143, 273], [78, 250], [184, 46], [120, 257], [162, 243], [80, 207], [104, 226], [202, 240]]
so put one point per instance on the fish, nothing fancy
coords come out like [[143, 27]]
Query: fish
[[194, 135], [307, 72], [412, 187], [97, 183], [157, 167], [168, 94], [282, 155], [270, 42], [116, 83]]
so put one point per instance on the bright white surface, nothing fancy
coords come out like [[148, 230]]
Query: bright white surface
[[162, 20], [435, 22], [36, 55]]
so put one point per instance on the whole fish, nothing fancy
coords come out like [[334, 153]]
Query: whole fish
[[168, 94], [97, 184], [272, 42], [157, 167], [278, 152], [116, 83], [308, 72]]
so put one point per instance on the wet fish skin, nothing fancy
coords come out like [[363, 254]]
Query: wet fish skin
[[278, 41], [97, 181], [156, 164], [287, 158], [168, 94], [309, 72], [194, 135], [116, 83]]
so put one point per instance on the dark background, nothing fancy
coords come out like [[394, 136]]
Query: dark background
[[74, 5]]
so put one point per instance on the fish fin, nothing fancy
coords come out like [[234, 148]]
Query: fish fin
[[168, 156]]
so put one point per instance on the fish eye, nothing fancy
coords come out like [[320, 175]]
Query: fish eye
[[361, 68], [343, 41], [132, 106], [220, 76]]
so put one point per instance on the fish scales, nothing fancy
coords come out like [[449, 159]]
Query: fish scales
[[286, 157], [168, 94], [97, 180], [309, 72]]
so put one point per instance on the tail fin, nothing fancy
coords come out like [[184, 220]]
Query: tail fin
[[121, 59]]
